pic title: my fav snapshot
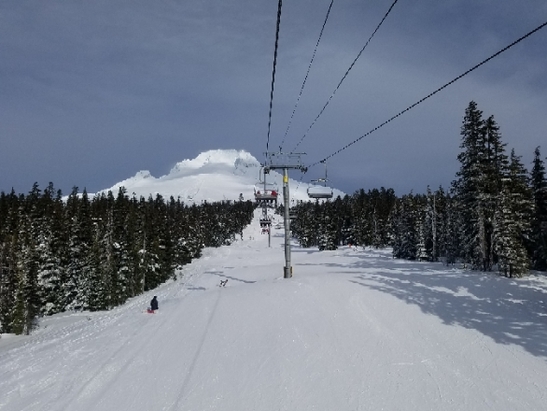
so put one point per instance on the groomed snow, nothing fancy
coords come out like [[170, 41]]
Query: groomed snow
[[352, 330]]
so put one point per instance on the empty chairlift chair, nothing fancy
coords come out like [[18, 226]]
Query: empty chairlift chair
[[317, 191]]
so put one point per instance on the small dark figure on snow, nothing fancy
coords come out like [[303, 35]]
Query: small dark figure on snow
[[154, 304]]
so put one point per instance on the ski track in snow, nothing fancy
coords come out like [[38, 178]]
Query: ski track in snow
[[352, 330]]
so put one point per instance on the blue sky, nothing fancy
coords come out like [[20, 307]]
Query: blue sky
[[93, 92]]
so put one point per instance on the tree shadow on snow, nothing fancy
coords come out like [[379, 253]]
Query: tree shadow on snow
[[510, 311]]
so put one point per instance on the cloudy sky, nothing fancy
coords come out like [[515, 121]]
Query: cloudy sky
[[93, 92]]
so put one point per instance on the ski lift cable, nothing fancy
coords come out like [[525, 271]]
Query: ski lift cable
[[300, 180], [307, 74], [278, 24], [432, 94], [346, 74]]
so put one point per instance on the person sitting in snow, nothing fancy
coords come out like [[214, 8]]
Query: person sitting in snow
[[154, 304]]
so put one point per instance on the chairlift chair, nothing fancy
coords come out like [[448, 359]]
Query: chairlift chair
[[266, 196], [319, 189], [265, 222]]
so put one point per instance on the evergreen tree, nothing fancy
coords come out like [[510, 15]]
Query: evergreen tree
[[77, 283], [406, 223], [513, 219], [304, 225], [538, 238], [477, 186], [111, 249], [466, 186], [431, 222], [361, 221], [328, 228], [50, 235], [437, 224], [10, 254], [27, 297], [381, 203], [451, 235]]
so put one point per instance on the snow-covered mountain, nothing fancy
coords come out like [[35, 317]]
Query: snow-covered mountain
[[215, 175]]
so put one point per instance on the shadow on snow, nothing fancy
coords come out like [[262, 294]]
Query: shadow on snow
[[510, 311]]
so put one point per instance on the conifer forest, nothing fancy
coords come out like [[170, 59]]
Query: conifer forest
[[77, 253], [94, 254], [492, 218]]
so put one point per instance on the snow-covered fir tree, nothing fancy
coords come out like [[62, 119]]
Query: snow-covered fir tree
[[477, 186], [513, 219], [538, 237]]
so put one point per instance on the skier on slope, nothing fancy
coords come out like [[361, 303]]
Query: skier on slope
[[154, 304]]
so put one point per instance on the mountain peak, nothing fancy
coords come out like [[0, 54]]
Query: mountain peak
[[214, 175], [230, 158]]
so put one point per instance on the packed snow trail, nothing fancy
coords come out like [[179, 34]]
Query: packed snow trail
[[352, 330]]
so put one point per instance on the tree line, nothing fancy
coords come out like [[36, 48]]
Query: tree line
[[81, 253], [493, 217]]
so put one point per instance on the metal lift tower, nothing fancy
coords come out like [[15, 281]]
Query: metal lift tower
[[285, 161]]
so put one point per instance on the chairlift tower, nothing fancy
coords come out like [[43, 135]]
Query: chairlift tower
[[285, 162]]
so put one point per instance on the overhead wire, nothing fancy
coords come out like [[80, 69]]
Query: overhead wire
[[432, 94], [280, 4], [306, 76], [346, 74]]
